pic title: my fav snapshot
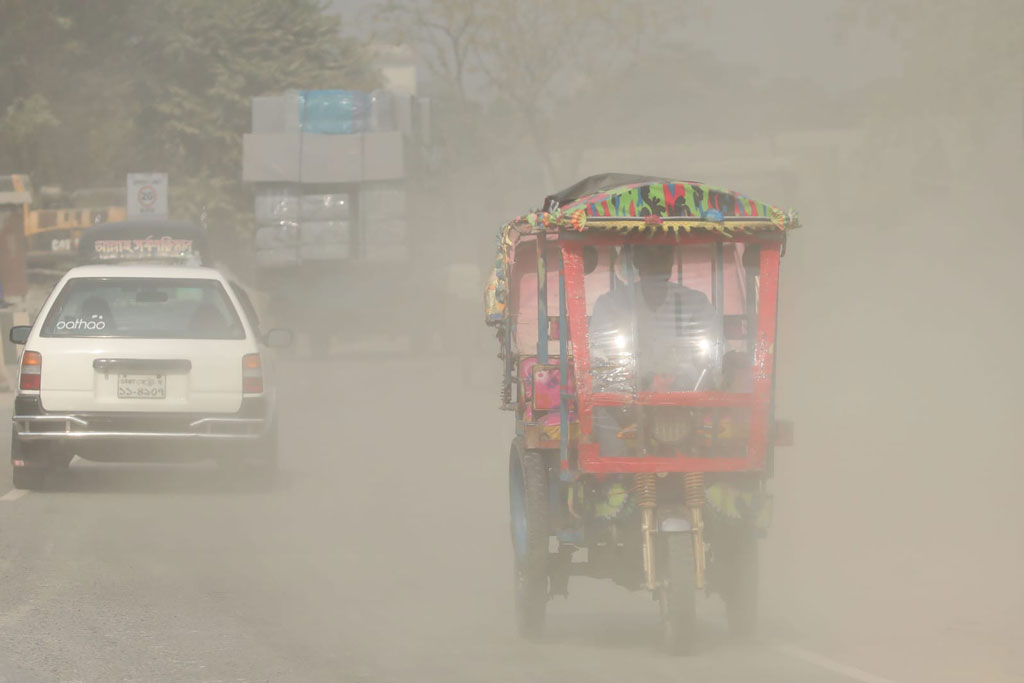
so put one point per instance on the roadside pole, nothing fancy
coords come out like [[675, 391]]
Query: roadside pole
[[9, 353]]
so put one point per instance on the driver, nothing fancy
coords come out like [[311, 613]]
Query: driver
[[662, 327], [650, 335]]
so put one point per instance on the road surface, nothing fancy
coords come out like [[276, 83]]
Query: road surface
[[382, 556]]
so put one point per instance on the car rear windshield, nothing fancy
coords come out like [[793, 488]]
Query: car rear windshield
[[143, 308]]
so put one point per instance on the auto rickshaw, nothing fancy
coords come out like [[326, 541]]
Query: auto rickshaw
[[636, 318]]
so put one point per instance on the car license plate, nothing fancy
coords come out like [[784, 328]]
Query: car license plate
[[142, 386]]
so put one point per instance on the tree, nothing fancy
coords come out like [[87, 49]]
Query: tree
[[204, 62], [521, 63], [91, 91], [956, 108], [23, 124], [445, 33], [53, 102]]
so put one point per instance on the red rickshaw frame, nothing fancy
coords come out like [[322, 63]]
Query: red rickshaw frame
[[759, 400]]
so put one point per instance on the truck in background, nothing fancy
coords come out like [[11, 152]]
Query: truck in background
[[15, 200], [334, 176]]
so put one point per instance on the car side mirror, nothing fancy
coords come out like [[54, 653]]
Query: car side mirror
[[19, 334], [278, 338]]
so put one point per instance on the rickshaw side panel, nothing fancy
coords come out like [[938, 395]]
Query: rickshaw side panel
[[523, 294]]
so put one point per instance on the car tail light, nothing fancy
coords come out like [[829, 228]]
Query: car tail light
[[31, 371], [252, 374]]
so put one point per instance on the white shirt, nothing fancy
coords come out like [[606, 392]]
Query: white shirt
[[629, 338]]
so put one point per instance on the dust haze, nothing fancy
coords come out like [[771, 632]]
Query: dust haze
[[895, 129]]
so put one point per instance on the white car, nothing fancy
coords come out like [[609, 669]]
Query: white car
[[143, 363]]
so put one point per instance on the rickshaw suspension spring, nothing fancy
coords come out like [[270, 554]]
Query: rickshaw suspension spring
[[693, 489], [646, 490]]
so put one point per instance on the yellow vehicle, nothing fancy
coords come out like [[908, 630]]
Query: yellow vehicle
[[15, 198], [53, 229]]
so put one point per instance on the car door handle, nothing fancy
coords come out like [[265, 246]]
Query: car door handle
[[161, 365]]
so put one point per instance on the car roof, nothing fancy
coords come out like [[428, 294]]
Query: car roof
[[147, 270]]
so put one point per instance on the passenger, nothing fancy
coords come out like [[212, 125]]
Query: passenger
[[96, 309]]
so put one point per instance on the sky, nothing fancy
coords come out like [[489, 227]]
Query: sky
[[779, 40], [796, 39]]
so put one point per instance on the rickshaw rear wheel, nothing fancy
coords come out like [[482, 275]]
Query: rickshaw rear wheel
[[528, 507], [678, 593], [740, 589]]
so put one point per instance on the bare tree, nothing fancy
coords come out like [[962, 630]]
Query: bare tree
[[443, 33], [533, 59], [958, 91]]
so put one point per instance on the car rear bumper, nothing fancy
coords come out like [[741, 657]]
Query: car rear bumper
[[31, 423], [72, 427]]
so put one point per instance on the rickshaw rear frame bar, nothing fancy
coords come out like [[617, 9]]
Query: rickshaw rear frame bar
[[563, 376], [698, 399], [542, 300], [612, 239]]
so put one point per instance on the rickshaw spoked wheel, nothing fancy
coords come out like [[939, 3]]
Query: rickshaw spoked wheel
[[528, 507], [677, 596]]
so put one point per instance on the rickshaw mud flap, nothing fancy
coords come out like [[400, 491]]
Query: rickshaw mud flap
[[560, 568], [675, 528]]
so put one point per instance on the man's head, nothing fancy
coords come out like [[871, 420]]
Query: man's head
[[653, 261], [654, 266]]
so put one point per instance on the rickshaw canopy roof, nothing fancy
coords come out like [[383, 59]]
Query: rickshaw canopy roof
[[624, 204]]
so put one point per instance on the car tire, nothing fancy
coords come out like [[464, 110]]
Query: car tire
[[61, 461], [261, 467], [32, 475], [254, 462], [265, 467], [29, 478]]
